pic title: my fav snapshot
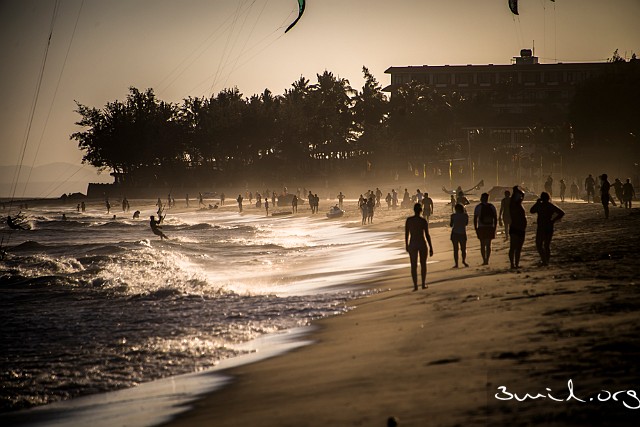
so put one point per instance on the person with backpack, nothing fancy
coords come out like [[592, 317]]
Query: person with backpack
[[485, 222]]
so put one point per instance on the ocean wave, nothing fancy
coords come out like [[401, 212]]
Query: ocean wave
[[29, 245]]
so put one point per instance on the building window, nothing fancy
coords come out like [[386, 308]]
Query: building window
[[530, 77], [552, 77], [420, 78], [441, 79], [464, 78], [485, 78], [507, 78]]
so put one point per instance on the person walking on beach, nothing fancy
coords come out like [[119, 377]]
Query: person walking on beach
[[239, 200], [340, 199], [628, 193], [266, 206], [563, 189], [548, 214], [458, 224], [574, 191], [155, 227], [590, 187], [485, 221], [518, 219], [294, 204], [617, 186], [417, 240], [504, 216], [427, 206], [605, 187], [548, 185]]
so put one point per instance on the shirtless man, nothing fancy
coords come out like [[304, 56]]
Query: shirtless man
[[417, 240]]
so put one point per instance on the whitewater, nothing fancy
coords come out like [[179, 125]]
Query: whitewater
[[91, 304]]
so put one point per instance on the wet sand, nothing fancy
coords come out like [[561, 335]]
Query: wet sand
[[467, 349]]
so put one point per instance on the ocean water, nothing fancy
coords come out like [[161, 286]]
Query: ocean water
[[90, 305]]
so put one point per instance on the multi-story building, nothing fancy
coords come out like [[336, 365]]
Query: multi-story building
[[521, 99]]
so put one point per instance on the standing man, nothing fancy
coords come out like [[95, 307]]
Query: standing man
[[546, 211], [417, 240], [590, 187], [504, 217], [239, 200], [628, 193], [605, 187], [427, 206], [485, 222]]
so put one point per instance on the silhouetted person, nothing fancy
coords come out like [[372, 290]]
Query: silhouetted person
[[563, 189], [136, 215], [590, 187], [628, 193], [605, 187], [458, 224], [427, 206], [417, 240], [239, 200], [294, 204], [200, 200], [340, 199], [108, 205], [574, 190], [388, 199], [485, 222], [186, 199], [155, 227], [222, 197], [17, 222], [406, 199], [617, 186], [517, 228], [461, 198], [504, 216], [266, 206], [548, 214], [548, 185]]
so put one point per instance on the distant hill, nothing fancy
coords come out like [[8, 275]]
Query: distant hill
[[50, 180]]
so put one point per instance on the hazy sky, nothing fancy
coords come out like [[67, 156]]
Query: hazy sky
[[195, 47]]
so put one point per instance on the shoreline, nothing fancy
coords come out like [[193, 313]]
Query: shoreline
[[437, 357], [431, 356]]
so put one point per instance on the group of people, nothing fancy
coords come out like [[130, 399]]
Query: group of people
[[486, 220]]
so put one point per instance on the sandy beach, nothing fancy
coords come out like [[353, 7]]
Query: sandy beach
[[467, 350]]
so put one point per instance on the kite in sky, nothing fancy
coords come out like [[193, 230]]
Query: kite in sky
[[300, 12], [513, 5]]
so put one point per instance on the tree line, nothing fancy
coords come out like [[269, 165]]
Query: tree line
[[314, 129]]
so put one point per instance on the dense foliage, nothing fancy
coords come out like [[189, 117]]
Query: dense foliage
[[327, 127]]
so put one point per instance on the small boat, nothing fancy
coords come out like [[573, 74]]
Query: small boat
[[335, 212]]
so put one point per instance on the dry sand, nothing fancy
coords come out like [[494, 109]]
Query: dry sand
[[437, 357]]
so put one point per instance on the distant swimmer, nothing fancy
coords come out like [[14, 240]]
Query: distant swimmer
[[155, 227], [18, 222], [418, 228], [136, 215]]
